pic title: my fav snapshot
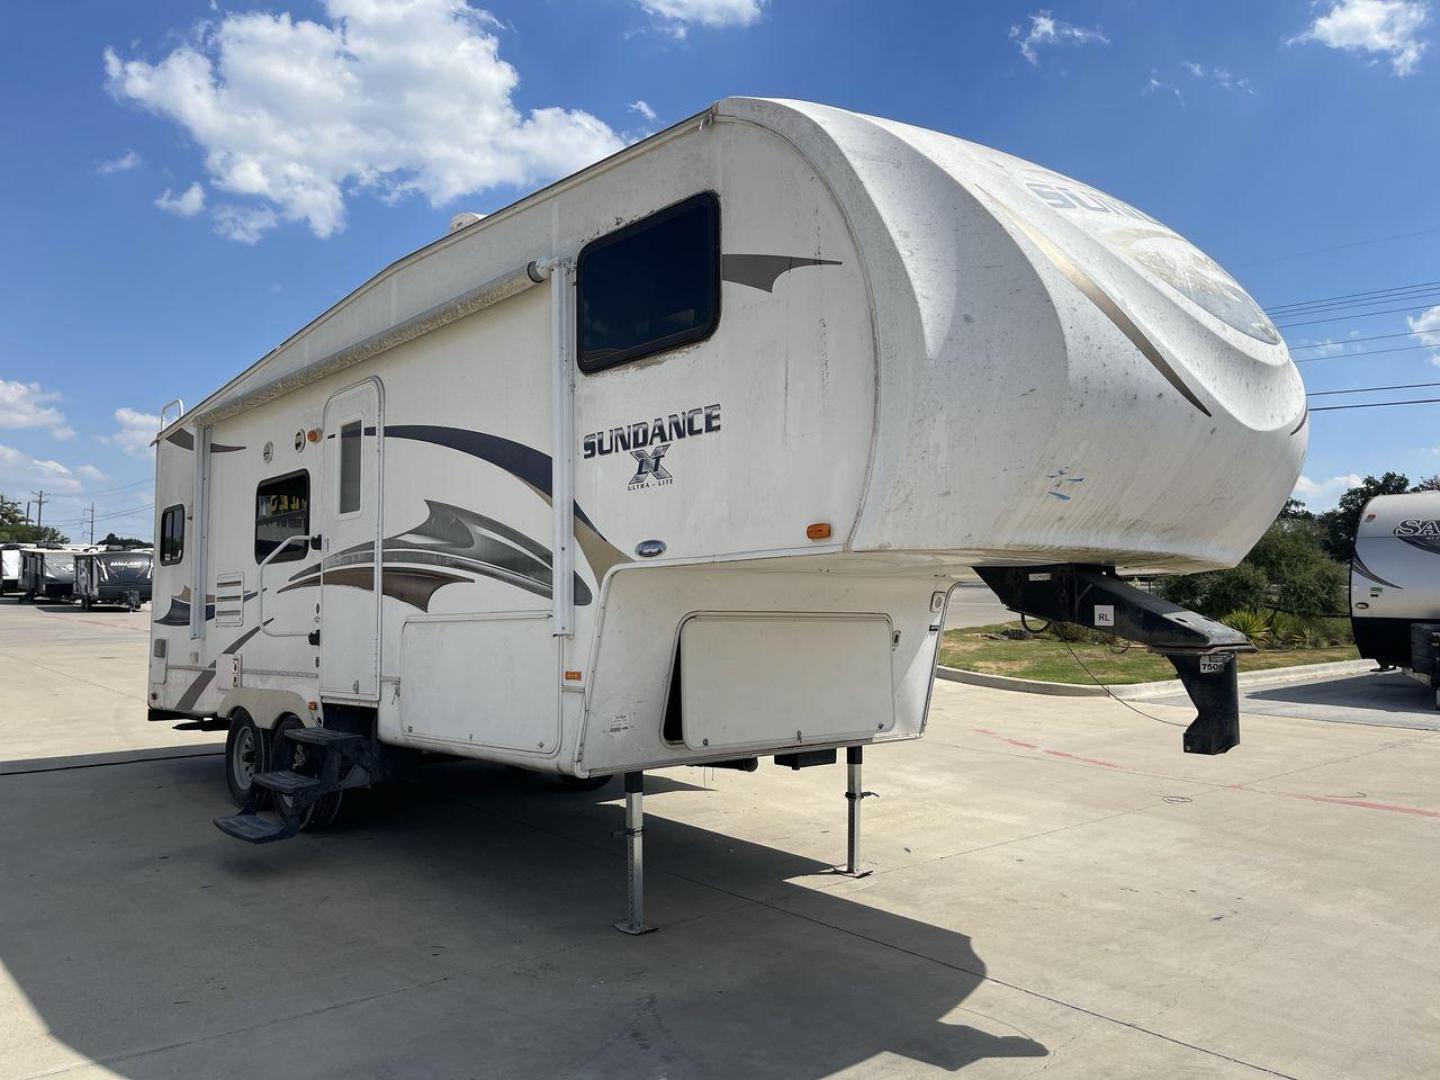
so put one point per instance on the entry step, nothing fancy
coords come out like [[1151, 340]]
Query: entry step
[[252, 828], [319, 736], [285, 781]]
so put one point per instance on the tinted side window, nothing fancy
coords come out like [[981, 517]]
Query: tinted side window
[[172, 535], [650, 286], [350, 435], [282, 510]]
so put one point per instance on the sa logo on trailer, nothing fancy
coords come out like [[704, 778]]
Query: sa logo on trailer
[[1415, 527]]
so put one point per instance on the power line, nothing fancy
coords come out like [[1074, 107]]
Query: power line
[[1361, 315], [1336, 247], [1351, 341], [85, 520], [107, 491], [1370, 389], [1364, 352], [1351, 296], [1375, 405], [1412, 295]]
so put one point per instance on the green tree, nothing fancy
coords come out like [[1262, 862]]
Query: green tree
[[14, 529], [1288, 570], [1339, 525], [111, 540], [1430, 483]]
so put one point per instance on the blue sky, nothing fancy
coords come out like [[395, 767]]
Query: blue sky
[[185, 184]]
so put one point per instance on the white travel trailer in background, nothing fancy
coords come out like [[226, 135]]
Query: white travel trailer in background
[[47, 573], [9, 567], [1395, 584], [674, 462]]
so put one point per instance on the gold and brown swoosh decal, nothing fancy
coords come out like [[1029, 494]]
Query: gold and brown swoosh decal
[[1092, 291]]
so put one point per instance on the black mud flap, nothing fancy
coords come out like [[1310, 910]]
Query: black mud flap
[[1201, 650]]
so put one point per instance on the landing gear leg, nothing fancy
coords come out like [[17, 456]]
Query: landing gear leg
[[634, 923], [855, 794]]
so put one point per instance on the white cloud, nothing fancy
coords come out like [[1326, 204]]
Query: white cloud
[[1387, 27], [19, 471], [1155, 86], [643, 108], [29, 405], [1222, 77], [1321, 495], [124, 163], [187, 204], [244, 224], [1328, 347], [135, 432], [387, 96], [678, 15], [1426, 328], [1045, 29]]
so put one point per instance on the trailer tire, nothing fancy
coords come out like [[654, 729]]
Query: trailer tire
[[247, 752], [283, 755]]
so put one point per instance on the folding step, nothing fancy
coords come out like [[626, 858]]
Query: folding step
[[253, 829], [319, 736], [285, 781]]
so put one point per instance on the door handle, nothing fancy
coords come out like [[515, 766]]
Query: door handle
[[313, 637], [315, 542]]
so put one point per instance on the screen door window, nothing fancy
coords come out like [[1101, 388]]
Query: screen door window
[[350, 465]]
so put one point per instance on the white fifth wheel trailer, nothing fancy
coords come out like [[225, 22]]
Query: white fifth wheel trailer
[[674, 462], [1395, 584]]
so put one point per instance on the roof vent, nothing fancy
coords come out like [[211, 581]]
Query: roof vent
[[459, 221]]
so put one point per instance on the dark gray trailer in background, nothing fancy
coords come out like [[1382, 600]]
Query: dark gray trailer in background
[[46, 573], [114, 577]]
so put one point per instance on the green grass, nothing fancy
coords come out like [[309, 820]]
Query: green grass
[[1048, 660]]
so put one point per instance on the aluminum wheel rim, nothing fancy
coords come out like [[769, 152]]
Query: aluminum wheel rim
[[242, 763]]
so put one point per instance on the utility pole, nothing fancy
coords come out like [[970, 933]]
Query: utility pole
[[92, 524], [39, 508]]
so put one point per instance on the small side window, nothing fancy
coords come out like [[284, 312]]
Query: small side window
[[651, 286], [350, 435], [172, 535], [282, 510]]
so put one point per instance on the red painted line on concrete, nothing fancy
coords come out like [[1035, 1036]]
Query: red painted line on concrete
[[1056, 753], [1336, 800], [1087, 760]]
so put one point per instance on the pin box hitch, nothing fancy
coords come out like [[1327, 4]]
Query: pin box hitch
[[1202, 651]]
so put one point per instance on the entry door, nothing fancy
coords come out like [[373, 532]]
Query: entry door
[[349, 522]]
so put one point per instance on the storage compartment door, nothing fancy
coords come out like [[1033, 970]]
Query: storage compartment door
[[478, 681], [762, 681]]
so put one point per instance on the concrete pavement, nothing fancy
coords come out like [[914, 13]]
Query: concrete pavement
[[1384, 699], [973, 604], [1057, 888]]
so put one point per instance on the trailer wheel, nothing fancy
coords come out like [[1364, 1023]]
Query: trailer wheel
[[285, 754], [247, 752]]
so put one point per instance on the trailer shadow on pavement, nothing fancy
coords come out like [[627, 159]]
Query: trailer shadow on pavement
[[1387, 698], [457, 927]]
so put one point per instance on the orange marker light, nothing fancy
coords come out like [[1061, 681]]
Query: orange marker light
[[572, 676], [313, 434], [819, 531]]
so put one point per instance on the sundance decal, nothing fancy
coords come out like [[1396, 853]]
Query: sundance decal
[[649, 441]]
